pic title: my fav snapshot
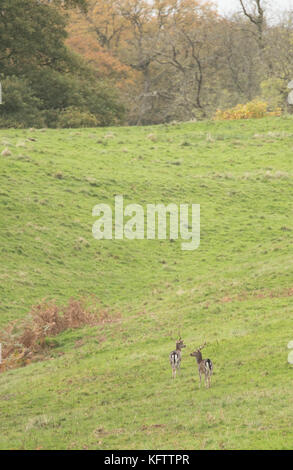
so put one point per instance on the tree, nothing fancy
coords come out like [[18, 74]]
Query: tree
[[190, 47], [145, 23], [254, 10], [30, 33], [84, 39], [242, 68], [82, 4], [126, 33], [33, 50]]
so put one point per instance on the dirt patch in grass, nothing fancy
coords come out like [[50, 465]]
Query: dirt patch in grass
[[102, 432], [145, 427], [258, 295]]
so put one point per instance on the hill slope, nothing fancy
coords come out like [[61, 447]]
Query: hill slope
[[110, 386]]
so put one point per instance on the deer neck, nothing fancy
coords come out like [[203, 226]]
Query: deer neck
[[199, 358]]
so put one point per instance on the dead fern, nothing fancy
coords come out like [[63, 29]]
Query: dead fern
[[24, 339]]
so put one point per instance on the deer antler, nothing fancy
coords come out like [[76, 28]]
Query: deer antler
[[202, 346]]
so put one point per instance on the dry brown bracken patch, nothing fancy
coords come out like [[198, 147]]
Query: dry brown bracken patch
[[22, 340]]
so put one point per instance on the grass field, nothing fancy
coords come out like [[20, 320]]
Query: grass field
[[110, 386]]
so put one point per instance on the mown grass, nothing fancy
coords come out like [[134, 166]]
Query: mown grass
[[110, 386]]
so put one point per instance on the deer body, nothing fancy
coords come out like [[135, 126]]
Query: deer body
[[175, 357], [205, 366]]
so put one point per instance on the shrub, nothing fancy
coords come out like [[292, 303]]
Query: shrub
[[20, 108], [52, 99], [75, 117], [81, 98], [254, 109]]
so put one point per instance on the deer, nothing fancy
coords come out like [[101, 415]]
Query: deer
[[175, 357], [205, 366]]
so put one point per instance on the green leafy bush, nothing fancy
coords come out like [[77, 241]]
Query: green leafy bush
[[54, 100], [75, 117], [20, 108]]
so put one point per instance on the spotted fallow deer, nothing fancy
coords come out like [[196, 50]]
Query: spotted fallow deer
[[175, 357], [205, 366]]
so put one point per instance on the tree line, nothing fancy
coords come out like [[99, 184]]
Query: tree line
[[101, 62]]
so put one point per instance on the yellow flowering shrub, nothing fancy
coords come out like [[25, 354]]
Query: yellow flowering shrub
[[254, 109]]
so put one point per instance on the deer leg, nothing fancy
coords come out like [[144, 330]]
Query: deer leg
[[199, 379], [207, 376]]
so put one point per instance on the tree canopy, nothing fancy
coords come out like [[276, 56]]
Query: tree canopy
[[36, 64]]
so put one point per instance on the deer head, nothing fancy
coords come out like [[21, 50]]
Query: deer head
[[197, 354], [180, 344]]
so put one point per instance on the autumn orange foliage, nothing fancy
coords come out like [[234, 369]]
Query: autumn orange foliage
[[83, 39]]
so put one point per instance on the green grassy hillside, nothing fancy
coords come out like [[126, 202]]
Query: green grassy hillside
[[110, 386]]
